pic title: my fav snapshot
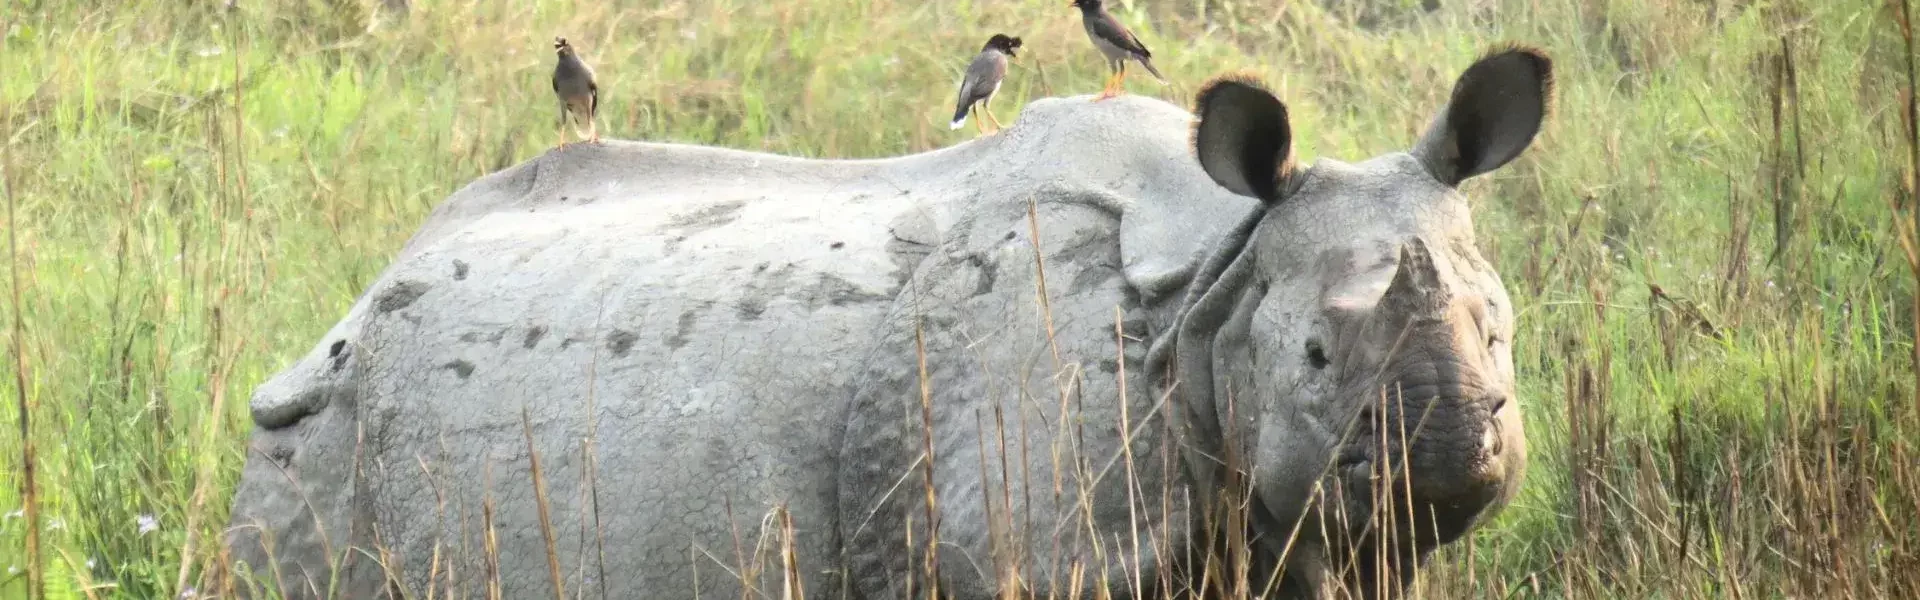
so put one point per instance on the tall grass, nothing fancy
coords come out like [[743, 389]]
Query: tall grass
[[1717, 313]]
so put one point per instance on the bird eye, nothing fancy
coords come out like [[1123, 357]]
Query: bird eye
[[1317, 355]]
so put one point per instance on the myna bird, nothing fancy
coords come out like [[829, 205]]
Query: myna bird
[[579, 95], [982, 80], [1117, 43]]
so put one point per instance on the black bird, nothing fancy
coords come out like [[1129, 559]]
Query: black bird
[[982, 80], [579, 95], [1117, 43]]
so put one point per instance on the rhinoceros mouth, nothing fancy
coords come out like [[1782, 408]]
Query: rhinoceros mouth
[[1431, 492], [1374, 508], [1470, 451]]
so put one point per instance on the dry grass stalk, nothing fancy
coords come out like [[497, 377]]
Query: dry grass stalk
[[29, 493], [540, 500]]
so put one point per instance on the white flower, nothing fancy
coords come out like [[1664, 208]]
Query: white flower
[[56, 524], [147, 524], [189, 593], [17, 513], [89, 564]]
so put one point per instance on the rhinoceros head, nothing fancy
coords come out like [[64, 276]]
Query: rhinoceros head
[[1353, 327]]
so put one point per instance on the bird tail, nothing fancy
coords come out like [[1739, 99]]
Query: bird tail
[[959, 116], [1156, 72]]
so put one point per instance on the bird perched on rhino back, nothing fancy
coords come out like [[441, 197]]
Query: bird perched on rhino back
[[1117, 43], [579, 95], [982, 80]]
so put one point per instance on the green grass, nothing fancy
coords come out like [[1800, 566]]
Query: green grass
[[196, 194]]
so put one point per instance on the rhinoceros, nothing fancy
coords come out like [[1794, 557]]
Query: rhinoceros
[[1114, 346]]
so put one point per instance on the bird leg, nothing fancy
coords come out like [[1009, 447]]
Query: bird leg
[[987, 109], [593, 131], [1113, 84]]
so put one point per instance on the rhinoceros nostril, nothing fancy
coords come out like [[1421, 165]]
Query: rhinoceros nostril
[[1367, 420], [1352, 456]]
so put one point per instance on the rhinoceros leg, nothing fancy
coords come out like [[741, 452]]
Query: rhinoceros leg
[[1032, 478]]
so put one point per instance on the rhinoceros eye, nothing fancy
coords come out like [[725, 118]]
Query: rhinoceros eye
[[1317, 355]]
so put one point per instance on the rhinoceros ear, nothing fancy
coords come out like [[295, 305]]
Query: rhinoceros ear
[[1242, 137], [1497, 106]]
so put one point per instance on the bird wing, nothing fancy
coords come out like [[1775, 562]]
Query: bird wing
[[1110, 29], [982, 76], [593, 89]]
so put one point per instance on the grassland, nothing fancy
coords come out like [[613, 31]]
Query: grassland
[[1716, 307]]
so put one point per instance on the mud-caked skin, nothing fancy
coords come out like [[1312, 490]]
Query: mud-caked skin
[[741, 338]]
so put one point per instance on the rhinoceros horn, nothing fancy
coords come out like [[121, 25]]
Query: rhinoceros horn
[[1416, 290]]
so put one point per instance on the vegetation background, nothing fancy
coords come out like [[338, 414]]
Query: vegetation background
[[1710, 244]]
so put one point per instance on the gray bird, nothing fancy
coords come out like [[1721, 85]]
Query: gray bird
[[982, 80], [1117, 43], [579, 95]]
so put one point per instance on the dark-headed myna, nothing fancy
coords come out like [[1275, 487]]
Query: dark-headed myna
[[579, 95], [983, 80], [1116, 42]]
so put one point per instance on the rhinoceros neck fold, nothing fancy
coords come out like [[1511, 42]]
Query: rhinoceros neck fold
[[1206, 279], [1184, 361]]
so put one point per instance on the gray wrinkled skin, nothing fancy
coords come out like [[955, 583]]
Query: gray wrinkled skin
[[736, 334]]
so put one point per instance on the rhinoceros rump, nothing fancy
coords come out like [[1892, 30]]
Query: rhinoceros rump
[[731, 361]]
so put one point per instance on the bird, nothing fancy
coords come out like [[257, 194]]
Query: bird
[[1117, 43], [982, 80], [573, 83]]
